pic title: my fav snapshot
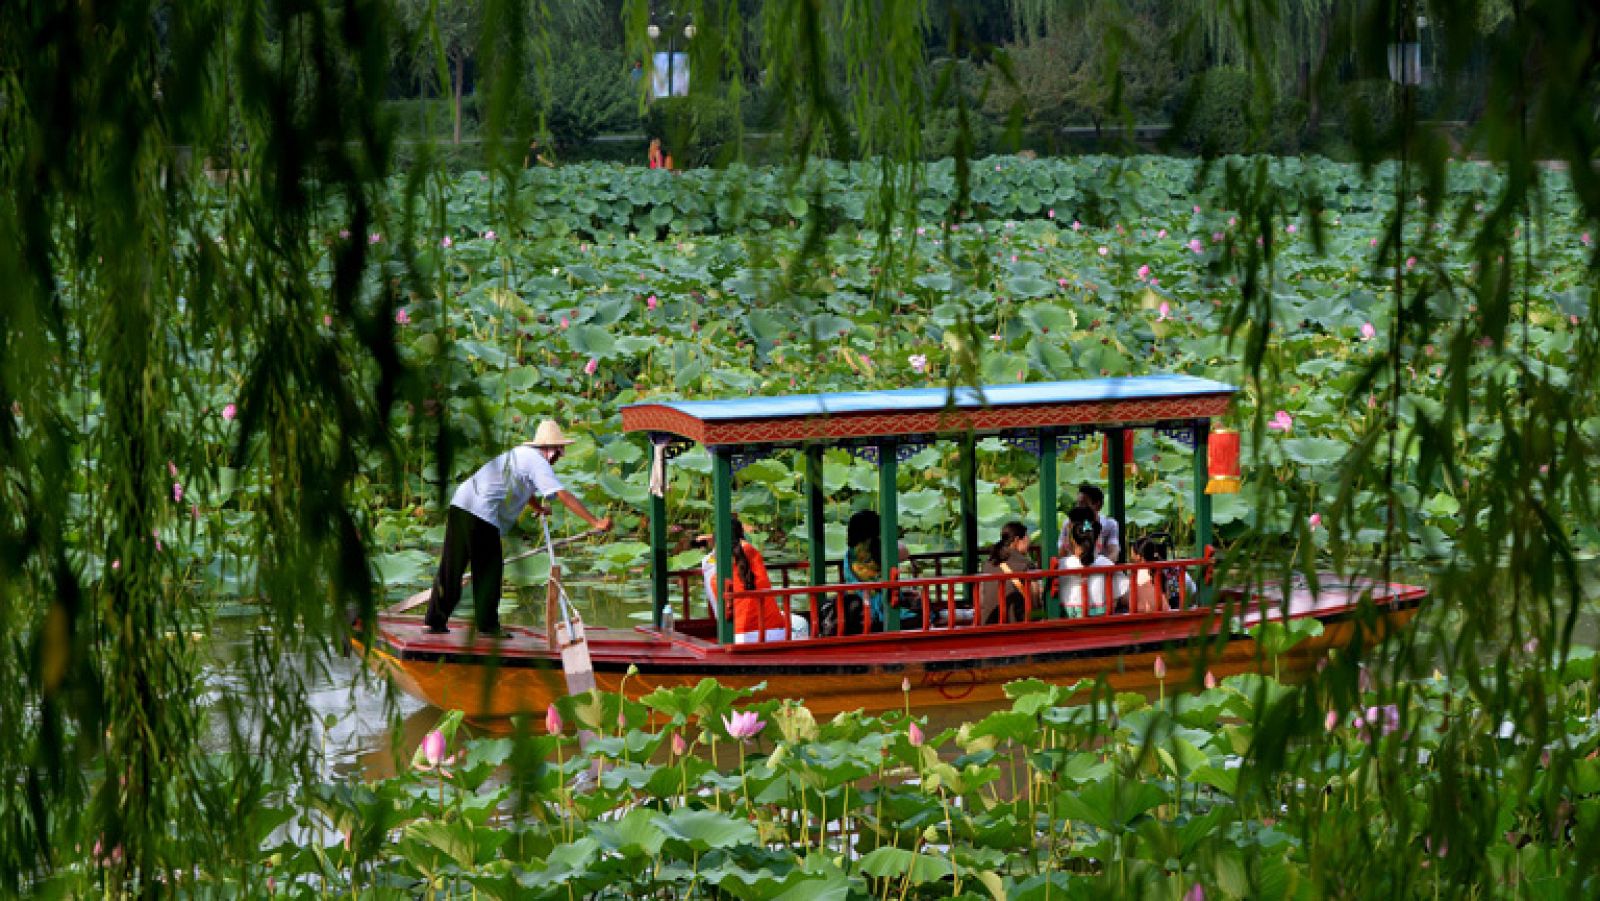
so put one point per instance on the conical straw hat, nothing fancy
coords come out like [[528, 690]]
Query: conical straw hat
[[549, 435]]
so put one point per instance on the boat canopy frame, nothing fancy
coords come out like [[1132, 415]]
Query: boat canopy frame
[[886, 427]]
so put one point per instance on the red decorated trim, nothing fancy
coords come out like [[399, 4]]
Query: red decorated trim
[[839, 426]]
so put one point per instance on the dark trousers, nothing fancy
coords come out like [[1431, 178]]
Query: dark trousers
[[468, 540]]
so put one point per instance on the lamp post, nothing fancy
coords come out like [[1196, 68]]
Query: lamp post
[[655, 31]]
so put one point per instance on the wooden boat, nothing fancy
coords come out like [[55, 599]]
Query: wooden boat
[[945, 658]]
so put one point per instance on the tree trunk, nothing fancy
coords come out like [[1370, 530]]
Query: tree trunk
[[456, 104]]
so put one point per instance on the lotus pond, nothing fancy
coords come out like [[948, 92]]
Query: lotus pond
[[1068, 792], [573, 291]]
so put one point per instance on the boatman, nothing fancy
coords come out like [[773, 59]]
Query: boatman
[[485, 507]]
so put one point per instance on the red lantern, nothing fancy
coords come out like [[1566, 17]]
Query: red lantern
[[1128, 465], [1222, 457]]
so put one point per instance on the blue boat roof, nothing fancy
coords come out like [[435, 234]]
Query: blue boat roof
[[1102, 401], [1142, 387]]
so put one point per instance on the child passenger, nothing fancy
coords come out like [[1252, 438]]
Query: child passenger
[[1009, 555], [1086, 595]]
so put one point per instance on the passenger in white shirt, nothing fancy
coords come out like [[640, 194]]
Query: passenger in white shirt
[[486, 506], [1086, 595]]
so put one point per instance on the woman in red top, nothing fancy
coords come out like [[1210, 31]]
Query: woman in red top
[[751, 617]]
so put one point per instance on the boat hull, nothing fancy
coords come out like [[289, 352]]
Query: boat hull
[[492, 681]]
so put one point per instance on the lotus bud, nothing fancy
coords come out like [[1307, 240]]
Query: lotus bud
[[1161, 667], [552, 720], [679, 746], [1331, 721], [1211, 680], [905, 685], [433, 747], [916, 736]]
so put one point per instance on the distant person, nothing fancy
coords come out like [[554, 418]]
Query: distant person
[[1086, 595], [637, 71], [536, 156], [486, 506], [657, 161], [1090, 497], [1009, 555]]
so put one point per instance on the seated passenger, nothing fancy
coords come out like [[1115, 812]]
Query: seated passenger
[[1009, 555], [753, 620], [863, 562], [1148, 593], [1086, 595], [1091, 498], [1156, 549]]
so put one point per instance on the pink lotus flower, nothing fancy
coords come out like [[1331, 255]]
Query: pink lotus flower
[[1232, 221], [1411, 262], [564, 323], [1013, 258], [919, 363], [916, 736], [1144, 272], [1331, 721], [921, 230], [1216, 237], [374, 238], [1063, 283], [1076, 225], [1162, 234], [172, 469], [1211, 680], [1379, 721], [1372, 242], [327, 321], [1315, 521], [446, 242], [229, 412], [1050, 215], [1281, 422], [591, 366], [1104, 250], [1585, 239], [1160, 667], [433, 748], [177, 491], [1195, 245], [1368, 332], [1197, 209], [432, 754], [488, 235], [116, 564], [1165, 311], [402, 317], [650, 302], [1291, 229], [1196, 892], [679, 746], [552, 720], [744, 726]]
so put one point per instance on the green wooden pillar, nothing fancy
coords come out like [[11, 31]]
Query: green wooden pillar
[[816, 510], [658, 556], [1048, 531], [969, 508], [889, 520], [1202, 500], [1119, 487], [722, 505]]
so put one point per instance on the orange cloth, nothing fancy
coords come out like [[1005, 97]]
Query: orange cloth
[[748, 615]]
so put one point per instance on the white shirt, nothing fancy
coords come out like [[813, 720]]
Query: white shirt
[[499, 490], [1072, 587]]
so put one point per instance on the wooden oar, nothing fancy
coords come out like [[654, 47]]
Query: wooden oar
[[421, 597]]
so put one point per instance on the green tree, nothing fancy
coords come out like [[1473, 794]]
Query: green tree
[[441, 38]]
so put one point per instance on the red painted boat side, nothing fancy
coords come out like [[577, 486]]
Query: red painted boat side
[[496, 678]]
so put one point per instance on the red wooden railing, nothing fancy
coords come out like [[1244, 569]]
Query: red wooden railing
[[945, 595], [784, 572]]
